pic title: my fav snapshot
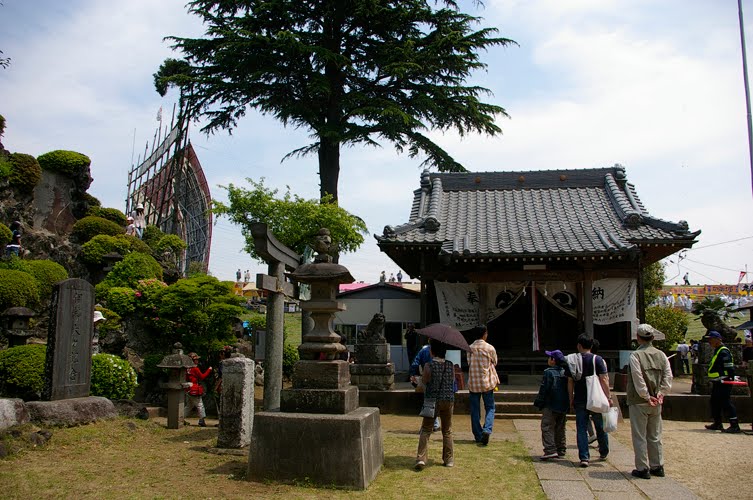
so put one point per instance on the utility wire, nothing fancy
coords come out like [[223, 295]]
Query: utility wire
[[722, 243], [712, 265]]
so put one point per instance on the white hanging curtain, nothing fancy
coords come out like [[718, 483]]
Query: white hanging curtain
[[459, 304], [561, 294], [501, 296], [613, 300]]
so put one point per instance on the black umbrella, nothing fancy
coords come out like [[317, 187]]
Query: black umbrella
[[446, 334]]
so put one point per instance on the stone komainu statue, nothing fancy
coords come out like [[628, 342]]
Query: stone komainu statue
[[374, 333]]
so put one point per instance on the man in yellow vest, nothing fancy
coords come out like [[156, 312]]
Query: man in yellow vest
[[650, 379], [721, 368]]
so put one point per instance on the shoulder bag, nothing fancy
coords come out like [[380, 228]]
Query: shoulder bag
[[596, 400], [429, 408]]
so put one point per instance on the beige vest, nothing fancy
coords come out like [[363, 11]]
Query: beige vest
[[652, 362]]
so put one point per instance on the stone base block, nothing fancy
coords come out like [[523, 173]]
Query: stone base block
[[321, 375], [345, 451], [70, 412], [337, 401], [376, 369], [374, 382], [372, 353]]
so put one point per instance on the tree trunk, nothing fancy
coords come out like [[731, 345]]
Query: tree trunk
[[329, 168]]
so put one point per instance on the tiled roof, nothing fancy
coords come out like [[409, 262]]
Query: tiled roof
[[590, 211]]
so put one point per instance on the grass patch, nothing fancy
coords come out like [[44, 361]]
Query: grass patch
[[291, 326], [125, 458]]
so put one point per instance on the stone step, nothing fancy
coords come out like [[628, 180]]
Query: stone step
[[512, 416], [516, 407], [514, 396]]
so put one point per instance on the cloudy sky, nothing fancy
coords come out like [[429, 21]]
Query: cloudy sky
[[653, 85]]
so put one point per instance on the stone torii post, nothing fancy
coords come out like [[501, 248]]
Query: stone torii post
[[279, 258]]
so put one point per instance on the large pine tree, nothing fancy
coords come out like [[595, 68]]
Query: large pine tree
[[350, 71]]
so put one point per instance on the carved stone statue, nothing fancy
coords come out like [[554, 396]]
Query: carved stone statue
[[374, 333]]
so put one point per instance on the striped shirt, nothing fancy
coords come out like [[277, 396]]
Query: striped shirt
[[482, 371]]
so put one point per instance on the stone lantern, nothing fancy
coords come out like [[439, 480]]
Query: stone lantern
[[177, 363], [17, 325]]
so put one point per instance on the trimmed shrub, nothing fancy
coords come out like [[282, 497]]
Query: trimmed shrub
[[136, 244], [152, 235], [170, 242], [94, 250], [17, 289], [68, 163], [134, 267], [22, 371], [112, 323], [24, 172], [92, 200], [46, 272], [121, 299], [111, 214], [5, 236], [289, 359], [89, 227], [112, 377]]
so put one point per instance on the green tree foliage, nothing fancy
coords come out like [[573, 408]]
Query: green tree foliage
[[293, 220], [170, 243], [4, 168], [112, 214], [197, 311], [121, 299], [89, 227], [112, 377], [17, 288], [92, 200], [24, 172], [653, 279], [352, 72], [68, 163], [22, 371], [670, 321]]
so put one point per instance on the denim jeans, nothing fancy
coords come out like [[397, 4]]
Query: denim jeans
[[474, 399], [581, 431]]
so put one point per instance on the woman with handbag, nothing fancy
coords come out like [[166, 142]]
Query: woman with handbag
[[439, 400]]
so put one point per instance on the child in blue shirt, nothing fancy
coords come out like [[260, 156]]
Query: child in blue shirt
[[553, 401]]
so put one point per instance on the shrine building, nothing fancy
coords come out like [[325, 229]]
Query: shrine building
[[538, 256]]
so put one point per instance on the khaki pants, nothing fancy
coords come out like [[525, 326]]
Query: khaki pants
[[646, 427], [444, 409]]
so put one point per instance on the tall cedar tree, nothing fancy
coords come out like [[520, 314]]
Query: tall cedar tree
[[351, 71]]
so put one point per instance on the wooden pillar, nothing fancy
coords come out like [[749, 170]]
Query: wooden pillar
[[640, 295], [588, 303], [273, 346]]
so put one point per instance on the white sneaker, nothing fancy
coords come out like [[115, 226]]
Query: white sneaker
[[420, 465]]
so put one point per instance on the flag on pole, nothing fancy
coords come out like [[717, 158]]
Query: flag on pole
[[159, 115], [742, 275]]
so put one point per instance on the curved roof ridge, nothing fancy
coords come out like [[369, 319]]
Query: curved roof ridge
[[627, 212]]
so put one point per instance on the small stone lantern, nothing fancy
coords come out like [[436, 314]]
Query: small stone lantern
[[177, 363], [17, 325]]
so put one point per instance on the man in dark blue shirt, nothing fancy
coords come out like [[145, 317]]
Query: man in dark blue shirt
[[578, 394]]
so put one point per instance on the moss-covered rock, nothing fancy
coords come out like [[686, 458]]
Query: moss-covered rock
[[68, 163], [24, 172], [89, 227]]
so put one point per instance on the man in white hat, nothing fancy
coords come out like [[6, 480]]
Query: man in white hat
[[650, 379]]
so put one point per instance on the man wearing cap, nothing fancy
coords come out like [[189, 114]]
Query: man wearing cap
[[721, 368], [553, 401], [650, 378], [482, 379]]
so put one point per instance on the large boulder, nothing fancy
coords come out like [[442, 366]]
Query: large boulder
[[71, 412], [12, 412]]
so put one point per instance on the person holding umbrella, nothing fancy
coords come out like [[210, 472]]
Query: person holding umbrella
[[482, 379], [438, 377]]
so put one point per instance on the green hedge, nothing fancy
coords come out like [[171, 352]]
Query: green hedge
[[22, 371], [17, 288], [112, 214], [5, 236], [89, 227], [112, 377], [24, 172], [68, 163]]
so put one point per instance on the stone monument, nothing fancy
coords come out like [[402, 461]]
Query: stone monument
[[373, 369], [237, 408], [68, 361], [320, 434]]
